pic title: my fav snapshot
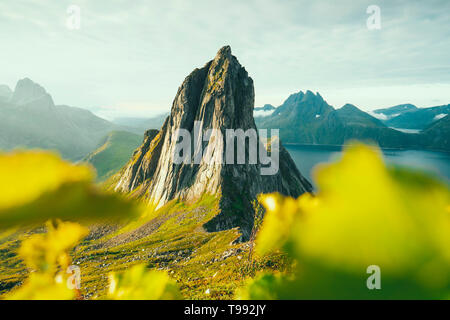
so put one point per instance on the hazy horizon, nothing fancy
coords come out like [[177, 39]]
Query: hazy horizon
[[128, 59]]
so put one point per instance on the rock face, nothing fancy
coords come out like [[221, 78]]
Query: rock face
[[27, 91], [221, 96]]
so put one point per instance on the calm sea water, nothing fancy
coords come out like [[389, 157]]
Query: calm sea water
[[437, 163]]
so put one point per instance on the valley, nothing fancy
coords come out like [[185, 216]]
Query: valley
[[201, 223]]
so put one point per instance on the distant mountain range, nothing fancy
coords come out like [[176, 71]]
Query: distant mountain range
[[437, 135], [141, 125], [306, 118], [408, 116], [5, 93], [266, 110], [30, 119]]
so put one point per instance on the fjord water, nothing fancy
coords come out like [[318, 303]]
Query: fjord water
[[306, 157]]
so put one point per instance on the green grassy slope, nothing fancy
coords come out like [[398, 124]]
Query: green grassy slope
[[114, 153], [205, 265]]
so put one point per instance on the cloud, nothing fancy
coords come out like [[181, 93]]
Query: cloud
[[262, 113], [379, 116], [142, 50]]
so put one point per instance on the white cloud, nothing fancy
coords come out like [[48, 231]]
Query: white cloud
[[379, 116], [142, 50], [439, 116], [262, 113]]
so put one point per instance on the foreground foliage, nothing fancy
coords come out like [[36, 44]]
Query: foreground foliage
[[46, 255], [37, 186], [320, 246], [363, 215]]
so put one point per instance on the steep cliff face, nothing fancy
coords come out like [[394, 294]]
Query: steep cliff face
[[218, 96]]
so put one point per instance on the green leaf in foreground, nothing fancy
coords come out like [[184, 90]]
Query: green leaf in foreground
[[37, 186], [138, 283], [363, 215]]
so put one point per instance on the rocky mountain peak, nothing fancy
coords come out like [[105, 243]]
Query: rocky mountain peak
[[223, 53], [312, 97], [304, 106], [309, 95], [27, 91], [219, 96], [5, 92]]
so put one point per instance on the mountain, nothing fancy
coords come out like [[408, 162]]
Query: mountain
[[113, 153], [394, 111], [351, 115], [418, 118], [27, 91], [219, 95], [30, 119], [266, 107], [306, 118], [5, 93], [300, 110], [438, 133], [264, 111]]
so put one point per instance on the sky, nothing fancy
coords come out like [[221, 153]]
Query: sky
[[128, 58]]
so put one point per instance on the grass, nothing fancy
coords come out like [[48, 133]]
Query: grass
[[114, 153], [12, 269], [206, 265]]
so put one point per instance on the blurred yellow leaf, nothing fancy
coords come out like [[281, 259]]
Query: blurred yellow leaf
[[368, 215], [45, 252], [37, 186], [42, 286], [279, 218], [47, 255], [28, 175], [263, 287], [137, 283], [364, 214]]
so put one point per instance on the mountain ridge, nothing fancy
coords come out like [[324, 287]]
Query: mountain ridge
[[30, 119], [219, 95], [306, 118]]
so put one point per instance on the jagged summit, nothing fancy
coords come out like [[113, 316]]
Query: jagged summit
[[218, 96], [303, 107], [225, 52], [5, 92], [30, 119], [27, 91]]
